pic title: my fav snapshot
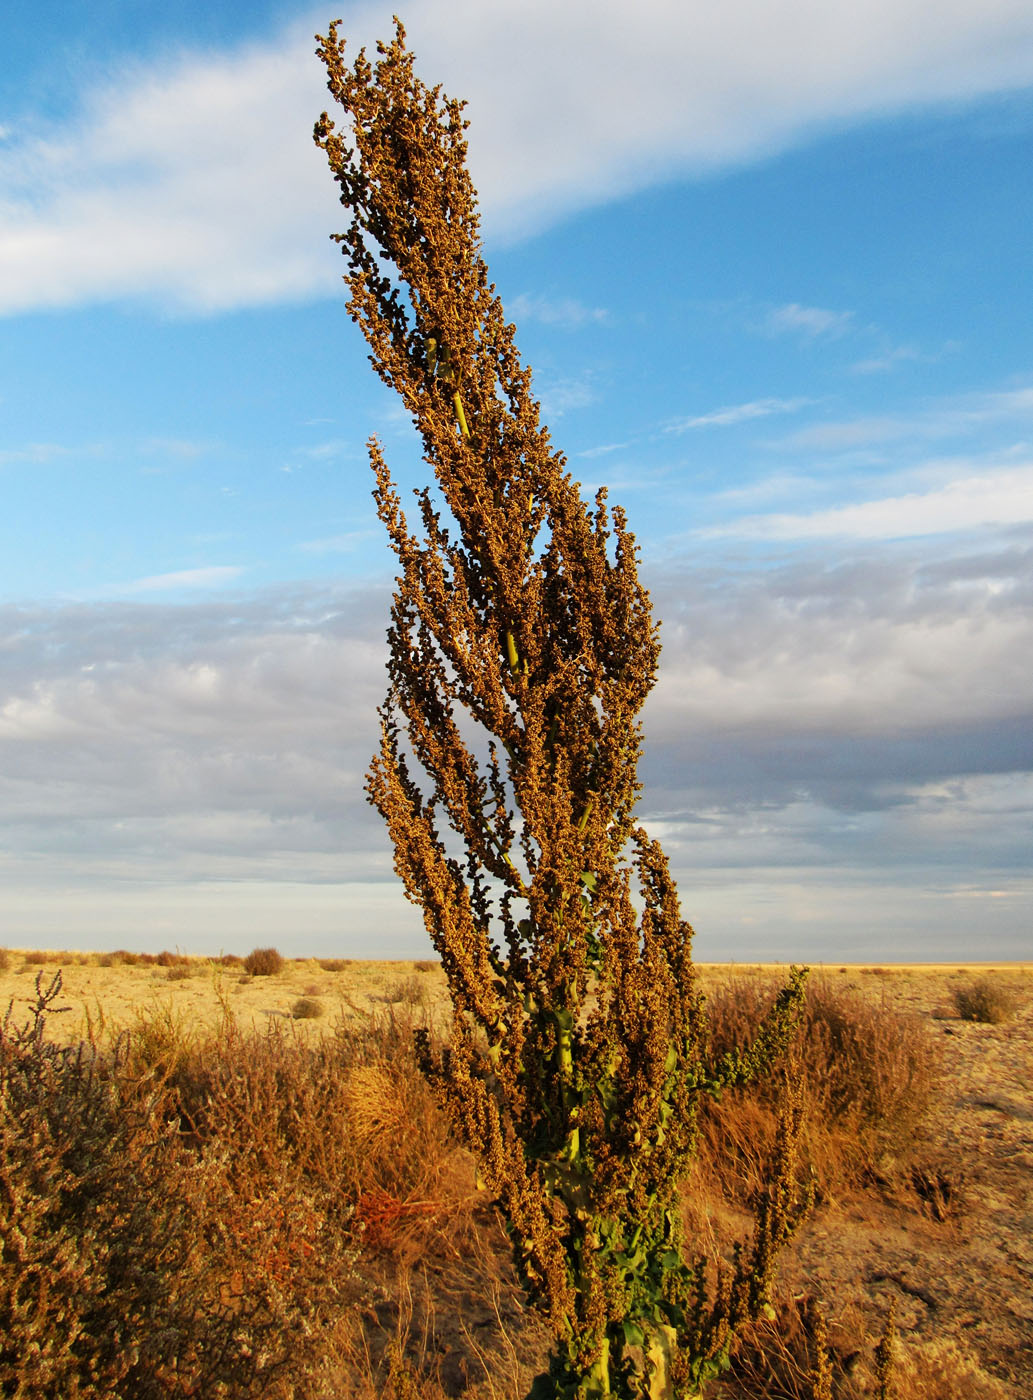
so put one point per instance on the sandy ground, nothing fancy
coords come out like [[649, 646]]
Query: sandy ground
[[109, 998], [963, 1282], [959, 1267]]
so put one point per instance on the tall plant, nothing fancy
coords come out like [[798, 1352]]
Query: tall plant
[[522, 648]]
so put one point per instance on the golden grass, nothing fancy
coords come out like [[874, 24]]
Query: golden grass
[[332, 1226]]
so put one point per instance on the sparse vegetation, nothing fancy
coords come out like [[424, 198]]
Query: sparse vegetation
[[133, 1248], [986, 1001], [121, 957], [868, 1078], [410, 991], [312, 1181], [307, 1009], [263, 962]]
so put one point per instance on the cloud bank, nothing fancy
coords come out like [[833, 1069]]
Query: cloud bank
[[193, 183], [828, 734]]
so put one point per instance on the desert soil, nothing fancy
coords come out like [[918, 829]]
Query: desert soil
[[954, 1256], [967, 1278]]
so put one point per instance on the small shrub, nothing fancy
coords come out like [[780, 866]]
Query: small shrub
[[5, 960], [985, 1001], [217, 1228], [263, 962], [793, 1355], [230, 960], [411, 991], [167, 959], [179, 974], [427, 965], [307, 1009], [868, 1077], [940, 1369], [335, 964]]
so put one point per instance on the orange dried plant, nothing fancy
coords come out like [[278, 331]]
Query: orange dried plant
[[522, 648]]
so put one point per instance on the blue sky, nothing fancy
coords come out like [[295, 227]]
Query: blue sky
[[772, 267]]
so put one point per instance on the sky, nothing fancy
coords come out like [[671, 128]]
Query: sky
[[771, 262]]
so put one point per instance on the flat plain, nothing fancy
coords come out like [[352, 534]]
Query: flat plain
[[943, 1238]]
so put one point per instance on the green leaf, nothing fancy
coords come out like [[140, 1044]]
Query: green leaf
[[633, 1334], [631, 1263], [589, 881]]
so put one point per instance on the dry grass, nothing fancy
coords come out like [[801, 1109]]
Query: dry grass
[[142, 1258], [869, 1075], [986, 1001], [263, 962], [411, 991], [780, 1359], [289, 1203], [226, 1182]]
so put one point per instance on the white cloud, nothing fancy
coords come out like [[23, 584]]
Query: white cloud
[[944, 418], [889, 359], [808, 321], [326, 451], [564, 395], [208, 577], [892, 356], [739, 413], [878, 641], [564, 312], [603, 450], [37, 452], [989, 497], [194, 183], [181, 449]]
